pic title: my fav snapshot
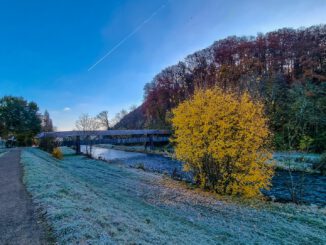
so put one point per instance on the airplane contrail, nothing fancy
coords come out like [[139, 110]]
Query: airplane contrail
[[138, 28]]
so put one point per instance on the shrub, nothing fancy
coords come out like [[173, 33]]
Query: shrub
[[305, 143], [222, 140], [57, 153], [48, 144]]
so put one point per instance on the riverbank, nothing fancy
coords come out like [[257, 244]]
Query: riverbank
[[297, 161], [287, 186], [93, 202], [158, 150], [293, 161]]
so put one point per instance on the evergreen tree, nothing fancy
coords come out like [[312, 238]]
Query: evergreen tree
[[19, 118], [47, 125]]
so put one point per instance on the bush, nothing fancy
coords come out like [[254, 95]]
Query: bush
[[48, 144], [305, 143], [222, 140], [57, 153]]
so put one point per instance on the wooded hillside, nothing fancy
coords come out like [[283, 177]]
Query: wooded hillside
[[286, 69]]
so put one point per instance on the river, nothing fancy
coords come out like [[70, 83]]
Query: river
[[311, 188]]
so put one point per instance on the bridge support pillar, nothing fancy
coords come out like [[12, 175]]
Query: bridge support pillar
[[77, 145], [151, 142]]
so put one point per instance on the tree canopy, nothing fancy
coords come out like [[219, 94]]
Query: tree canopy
[[19, 118], [273, 67]]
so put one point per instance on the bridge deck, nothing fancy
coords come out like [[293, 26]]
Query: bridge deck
[[76, 138], [74, 133]]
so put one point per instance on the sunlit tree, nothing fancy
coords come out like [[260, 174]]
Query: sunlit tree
[[222, 139]]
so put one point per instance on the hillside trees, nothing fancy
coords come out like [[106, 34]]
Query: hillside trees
[[307, 116], [222, 139], [270, 67], [19, 118], [118, 116], [133, 120]]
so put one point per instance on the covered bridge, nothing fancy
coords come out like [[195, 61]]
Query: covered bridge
[[76, 138]]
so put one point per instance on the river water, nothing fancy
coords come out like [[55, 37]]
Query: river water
[[310, 188]]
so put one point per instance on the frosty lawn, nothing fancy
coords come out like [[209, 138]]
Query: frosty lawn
[[91, 201]]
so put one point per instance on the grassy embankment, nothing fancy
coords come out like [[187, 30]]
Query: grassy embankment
[[90, 201]]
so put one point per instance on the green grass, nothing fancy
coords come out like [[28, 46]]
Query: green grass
[[92, 202]]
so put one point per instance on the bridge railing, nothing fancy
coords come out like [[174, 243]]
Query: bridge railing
[[77, 138], [75, 133], [117, 141]]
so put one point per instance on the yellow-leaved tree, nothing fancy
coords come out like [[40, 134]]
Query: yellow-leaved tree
[[222, 139]]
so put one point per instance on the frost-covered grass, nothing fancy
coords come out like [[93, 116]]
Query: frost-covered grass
[[296, 161], [87, 201], [67, 151]]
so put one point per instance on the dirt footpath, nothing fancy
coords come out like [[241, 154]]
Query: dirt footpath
[[18, 224]]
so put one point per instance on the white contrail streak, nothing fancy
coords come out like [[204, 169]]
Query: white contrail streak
[[128, 36]]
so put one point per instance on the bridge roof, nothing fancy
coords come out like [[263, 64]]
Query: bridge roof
[[63, 134]]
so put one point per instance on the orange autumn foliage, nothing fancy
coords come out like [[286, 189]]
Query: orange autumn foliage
[[57, 153], [222, 138]]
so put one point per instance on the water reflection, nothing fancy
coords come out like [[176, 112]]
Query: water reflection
[[111, 154]]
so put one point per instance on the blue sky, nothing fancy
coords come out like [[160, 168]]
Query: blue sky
[[47, 47]]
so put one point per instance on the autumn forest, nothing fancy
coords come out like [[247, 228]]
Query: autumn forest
[[284, 69]]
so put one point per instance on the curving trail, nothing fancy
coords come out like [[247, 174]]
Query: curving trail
[[18, 222]]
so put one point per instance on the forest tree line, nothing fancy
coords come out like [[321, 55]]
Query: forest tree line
[[285, 69]]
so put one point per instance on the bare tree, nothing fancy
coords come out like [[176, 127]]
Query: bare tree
[[295, 186], [103, 118], [86, 124], [119, 116]]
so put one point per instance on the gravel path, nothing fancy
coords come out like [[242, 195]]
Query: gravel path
[[18, 224]]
